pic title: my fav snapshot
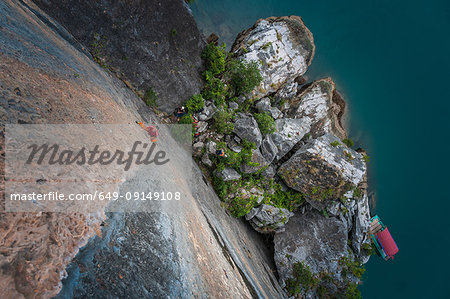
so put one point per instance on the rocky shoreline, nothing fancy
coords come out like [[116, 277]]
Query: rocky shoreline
[[321, 228]]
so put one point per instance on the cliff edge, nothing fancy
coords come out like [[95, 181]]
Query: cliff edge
[[190, 249]]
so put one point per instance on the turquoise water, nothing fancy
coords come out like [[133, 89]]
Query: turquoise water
[[390, 59]]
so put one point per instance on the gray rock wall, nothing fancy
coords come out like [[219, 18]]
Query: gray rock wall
[[150, 44]]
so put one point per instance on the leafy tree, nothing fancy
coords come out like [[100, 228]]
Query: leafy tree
[[214, 89], [195, 103], [348, 142], [214, 57], [243, 76]]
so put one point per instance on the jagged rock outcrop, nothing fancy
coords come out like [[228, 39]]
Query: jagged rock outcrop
[[323, 170], [208, 111], [282, 46], [228, 174], [268, 149], [312, 239], [193, 248], [268, 219], [247, 128], [149, 44], [361, 224], [264, 105], [288, 132], [318, 102], [285, 94]]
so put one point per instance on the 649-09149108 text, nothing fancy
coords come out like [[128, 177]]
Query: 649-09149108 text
[[103, 196]]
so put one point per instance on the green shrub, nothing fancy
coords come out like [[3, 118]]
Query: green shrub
[[366, 158], [303, 278], [335, 143], [266, 45], [214, 57], [357, 193], [195, 103], [350, 266], [240, 206], [247, 151], [223, 122], [150, 97], [349, 156], [289, 199], [221, 187], [243, 76], [352, 292], [173, 32], [348, 142], [214, 89], [265, 123]]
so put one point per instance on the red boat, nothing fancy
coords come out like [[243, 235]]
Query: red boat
[[382, 239]]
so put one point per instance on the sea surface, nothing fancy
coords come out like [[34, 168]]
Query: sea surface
[[391, 61]]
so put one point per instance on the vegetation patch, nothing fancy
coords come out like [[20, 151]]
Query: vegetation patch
[[214, 57], [265, 122], [223, 122], [195, 103], [348, 142], [303, 279], [214, 89], [150, 98], [243, 76], [351, 267], [335, 143], [288, 199]]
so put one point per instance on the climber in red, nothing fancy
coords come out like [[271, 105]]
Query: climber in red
[[151, 130]]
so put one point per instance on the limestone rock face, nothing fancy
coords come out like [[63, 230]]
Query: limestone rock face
[[247, 128], [360, 229], [268, 219], [286, 93], [283, 47], [149, 44], [322, 171], [318, 102], [312, 239], [289, 131], [264, 106]]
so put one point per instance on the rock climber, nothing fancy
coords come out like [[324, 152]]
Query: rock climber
[[179, 112], [151, 130], [220, 153]]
